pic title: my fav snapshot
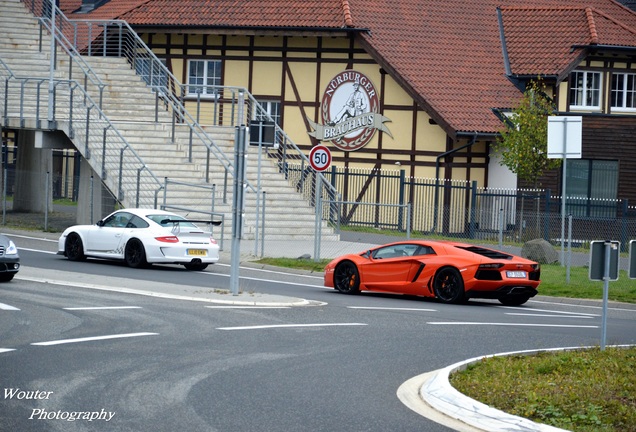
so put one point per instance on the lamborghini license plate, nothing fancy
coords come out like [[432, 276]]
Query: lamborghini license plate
[[516, 274]]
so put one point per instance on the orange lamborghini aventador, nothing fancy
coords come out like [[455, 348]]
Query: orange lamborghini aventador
[[450, 271]]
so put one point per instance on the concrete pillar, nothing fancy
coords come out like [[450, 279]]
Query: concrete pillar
[[94, 201], [31, 192]]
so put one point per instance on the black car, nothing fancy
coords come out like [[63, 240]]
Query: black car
[[9, 259]]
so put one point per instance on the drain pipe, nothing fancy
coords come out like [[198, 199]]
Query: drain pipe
[[437, 162]]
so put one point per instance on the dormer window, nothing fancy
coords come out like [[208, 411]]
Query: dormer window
[[585, 90], [623, 92]]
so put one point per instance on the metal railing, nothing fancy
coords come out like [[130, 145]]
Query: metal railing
[[231, 106], [43, 11], [97, 139], [115, 38]]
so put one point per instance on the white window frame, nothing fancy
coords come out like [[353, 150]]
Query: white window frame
[[208, 78], [585, 90], [271, 107], [624, 91]]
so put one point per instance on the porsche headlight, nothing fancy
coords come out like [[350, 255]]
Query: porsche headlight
[[11, 249]]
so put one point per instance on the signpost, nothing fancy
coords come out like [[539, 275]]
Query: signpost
[[320, 160], [565, 136], [632, 259], [604, 258]]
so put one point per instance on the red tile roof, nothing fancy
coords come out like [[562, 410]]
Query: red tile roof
[[553, 32], [447, 54], [232, 13]]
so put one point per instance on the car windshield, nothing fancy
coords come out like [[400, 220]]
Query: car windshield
[[162, 219]]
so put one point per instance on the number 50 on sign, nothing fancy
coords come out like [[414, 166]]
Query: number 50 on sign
[[320, 157]]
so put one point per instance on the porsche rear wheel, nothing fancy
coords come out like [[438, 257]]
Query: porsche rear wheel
[[74, 248], [449, 285], [346, 278], [135, 254], [196, 267]]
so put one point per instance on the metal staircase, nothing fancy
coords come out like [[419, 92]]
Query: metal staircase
[[123, 113]]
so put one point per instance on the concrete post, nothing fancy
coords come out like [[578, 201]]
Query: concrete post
[[103, 202], [32, 164]]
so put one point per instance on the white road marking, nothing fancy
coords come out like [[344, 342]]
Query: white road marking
[[3, 350], [30, 238], [548, 310], [94, 338], [551, 316], [36, 250], [7, 307], [289, 326], [509, 324], [248, 307], [101, 308], [392, 308], [583, 306]]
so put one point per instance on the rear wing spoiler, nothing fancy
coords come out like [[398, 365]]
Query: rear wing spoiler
[[177, 221]]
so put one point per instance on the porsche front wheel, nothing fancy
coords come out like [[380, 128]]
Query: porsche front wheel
[[74, 248], [346, 278], [449, 285], [135, 254]]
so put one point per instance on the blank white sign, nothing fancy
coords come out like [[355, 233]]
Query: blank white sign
[[565, 137]]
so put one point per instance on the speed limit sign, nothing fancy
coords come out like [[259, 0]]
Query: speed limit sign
[[320, 157]]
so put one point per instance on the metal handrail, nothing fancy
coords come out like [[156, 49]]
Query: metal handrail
[[120, 145], [60, 37], [90, 35]]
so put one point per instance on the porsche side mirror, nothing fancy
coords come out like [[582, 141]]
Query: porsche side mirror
[[100, 223]]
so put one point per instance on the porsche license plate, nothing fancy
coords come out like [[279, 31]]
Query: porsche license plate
[[516, 274], [197, 252]]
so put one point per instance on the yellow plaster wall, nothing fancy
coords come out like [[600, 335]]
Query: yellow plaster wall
[[294, 124], [236, 73], [176, 66], [429, 137], [304, 76], [267, 78]]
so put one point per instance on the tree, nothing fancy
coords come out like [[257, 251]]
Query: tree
[[523, 143]]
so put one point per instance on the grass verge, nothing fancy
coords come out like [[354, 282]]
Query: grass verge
[[582, 391]]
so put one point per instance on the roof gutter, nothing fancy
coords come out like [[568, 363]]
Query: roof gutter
[[437, 163], [604, 47], [255, 28], [504, 47]]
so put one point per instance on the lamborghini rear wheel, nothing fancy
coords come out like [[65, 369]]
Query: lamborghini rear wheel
[[449, 285], [346, 278]]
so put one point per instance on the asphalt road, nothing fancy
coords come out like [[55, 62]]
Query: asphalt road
[[158, 364]]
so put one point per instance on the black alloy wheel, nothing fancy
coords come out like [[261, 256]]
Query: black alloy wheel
[[74, 248], [195, 267], [135, 254], [6, 277], [514, 300], [449, 285], [346, 278]]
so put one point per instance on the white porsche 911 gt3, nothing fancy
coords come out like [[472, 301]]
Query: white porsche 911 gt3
[[141, 237]]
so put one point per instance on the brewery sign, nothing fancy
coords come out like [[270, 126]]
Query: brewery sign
[[349, 112]]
